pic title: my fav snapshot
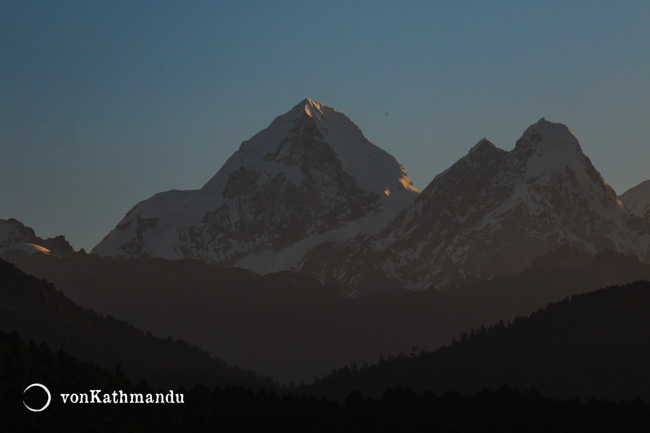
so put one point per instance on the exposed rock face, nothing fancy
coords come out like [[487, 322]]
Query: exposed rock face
[[494, 211], [12, 230], [311, 194], [310, 178], [14, 235]]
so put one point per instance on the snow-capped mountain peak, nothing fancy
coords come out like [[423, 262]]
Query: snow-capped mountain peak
[[544, 132], [310, 177], [493, 211], [372, 168], [311, 193], [548, 147], [311, 108]]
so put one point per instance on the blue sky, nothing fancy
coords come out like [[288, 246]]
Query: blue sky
[[103, 104]]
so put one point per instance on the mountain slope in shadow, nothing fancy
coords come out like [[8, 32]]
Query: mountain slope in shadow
[[37, 311]]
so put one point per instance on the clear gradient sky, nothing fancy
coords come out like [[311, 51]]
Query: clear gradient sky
[[103, 104]]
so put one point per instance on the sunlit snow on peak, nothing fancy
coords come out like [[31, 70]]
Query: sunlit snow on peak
[[28, 248], [311, 108]]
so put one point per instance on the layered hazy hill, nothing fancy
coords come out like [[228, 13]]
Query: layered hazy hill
[[311, 194], [37, 311], [291, 327]]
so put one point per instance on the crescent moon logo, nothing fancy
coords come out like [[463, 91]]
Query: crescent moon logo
[[47, 391]]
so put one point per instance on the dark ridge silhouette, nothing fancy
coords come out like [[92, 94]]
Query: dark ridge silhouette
[[234, 409], [591, 345], [292, 328], [36, 310], [23, 364]]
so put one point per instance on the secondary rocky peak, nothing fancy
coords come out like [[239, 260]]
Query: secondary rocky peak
[[484, 146], [546, 148], [547, 134], [14, 234], [493, 211], [12, 230]]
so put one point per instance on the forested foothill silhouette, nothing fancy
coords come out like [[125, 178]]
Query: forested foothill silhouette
[[591, 345], [234, 409]]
